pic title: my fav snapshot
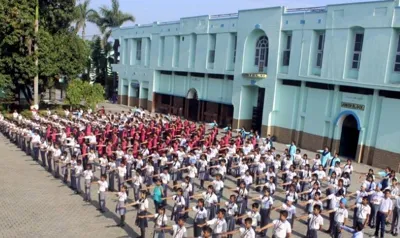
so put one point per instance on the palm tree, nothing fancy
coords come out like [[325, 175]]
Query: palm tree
[[82, 14], [108, 18]]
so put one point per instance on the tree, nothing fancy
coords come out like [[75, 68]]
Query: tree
[[74, 93], [61, 53], [82, 14], [108, 18], [81, 92], [93, 94]]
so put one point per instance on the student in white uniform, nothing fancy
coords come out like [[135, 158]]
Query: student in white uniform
[[160, 222], [179, 230], [281, 227], [121, 169], [120, 209], [253, 214], [340, 216], [199, 218], [88, 176], [218, 224], [384, 212], [103, 187], [245, 232]]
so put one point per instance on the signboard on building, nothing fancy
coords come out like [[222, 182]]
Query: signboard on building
[[354, 106], [353, 101], [255, 75]]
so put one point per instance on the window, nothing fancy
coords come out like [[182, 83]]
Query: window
[[358, 43], [397, 58], [234, 47], [139, 49], [176, 52], [286, 51], [161, 51], [261, 57], [320, 49], [211, 52], [192, 51]]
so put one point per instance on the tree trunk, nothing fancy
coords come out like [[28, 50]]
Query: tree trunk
[[36, 48], [83, 30]]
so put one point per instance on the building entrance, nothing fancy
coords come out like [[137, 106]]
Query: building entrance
[[258, 111], [349, 137]]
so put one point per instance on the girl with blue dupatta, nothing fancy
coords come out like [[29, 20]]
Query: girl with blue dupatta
[[292, 150], [332, 163], [326, 155]]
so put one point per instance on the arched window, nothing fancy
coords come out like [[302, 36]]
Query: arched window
[[261, 57]]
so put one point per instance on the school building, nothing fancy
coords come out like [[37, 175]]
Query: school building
[[324, 76]]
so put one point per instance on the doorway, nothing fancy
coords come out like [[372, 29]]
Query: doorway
[[192, 105], [349, 137], [258, 111], [193, 109]]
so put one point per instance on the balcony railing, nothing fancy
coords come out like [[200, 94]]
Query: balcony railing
[[168, 22], [224, 16], [306, 10]]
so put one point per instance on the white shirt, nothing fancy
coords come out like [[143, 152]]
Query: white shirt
[[192, 171], [231, 208], [291, 210], [315, 222], [377, 197], [57, 153], [247, 233], [163, 160], [209, 198], [119, 154], [88, 174], [200, 213], [321, 174], [103, 161], [255, 217], [218, 226], [91, 156], [165, 178], [103, 185], [78, 170], [266, 202], [35, 139], [179, 201], [218, 185], [341, 214], [348, 168], [363, 211], [161, 220], [179, 232], [247, 179], [360, 195], [122, 196], [386, 205], [143, 204], [281, 228], [121, 171]]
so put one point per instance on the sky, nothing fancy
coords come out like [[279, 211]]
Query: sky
[[148, 11]]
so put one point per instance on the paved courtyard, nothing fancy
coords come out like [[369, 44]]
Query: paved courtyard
[[35, 204]]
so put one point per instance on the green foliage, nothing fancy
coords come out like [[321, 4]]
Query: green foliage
[[74, 93], [61, 52], [16, 34], [94, 94], [83, 93], [26, 114], [108, 18]]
